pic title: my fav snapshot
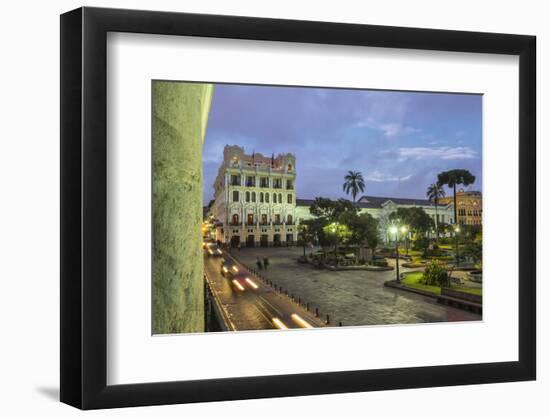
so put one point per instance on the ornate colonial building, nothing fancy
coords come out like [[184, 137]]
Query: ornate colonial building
[[468, 206], [255, 199]]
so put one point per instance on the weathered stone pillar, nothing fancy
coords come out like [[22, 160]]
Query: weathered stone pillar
[[180, 115]]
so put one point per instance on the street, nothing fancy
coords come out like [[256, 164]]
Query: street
[[260, 308]]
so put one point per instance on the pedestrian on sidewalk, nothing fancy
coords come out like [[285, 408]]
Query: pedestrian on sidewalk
[[259, 263], [266, 263]]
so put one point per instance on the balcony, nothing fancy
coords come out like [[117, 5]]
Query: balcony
[[235, 182], [250, 184], [290, 187]]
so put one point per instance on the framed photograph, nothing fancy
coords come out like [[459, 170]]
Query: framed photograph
[[257, 208]]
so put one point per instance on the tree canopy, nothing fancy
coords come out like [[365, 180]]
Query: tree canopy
[[354, 184], [330, 210], [418, 221], [455, 177]]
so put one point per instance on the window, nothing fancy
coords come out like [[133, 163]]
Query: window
[[267, 197], [235, 180], [253, 197], [235, 196], [235, 219], [289, 219], [274, 198], [280, 199], [250, 219], [247, 197], [264, 182], [264, 218], [289, 198], [261, 197], [250, 181], [277, 183], [277, 219], [289, 185]]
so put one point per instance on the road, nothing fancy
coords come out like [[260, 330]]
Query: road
[[262, 308]]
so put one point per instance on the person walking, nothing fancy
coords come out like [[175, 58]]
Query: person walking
[[259, 263], [266, 262]]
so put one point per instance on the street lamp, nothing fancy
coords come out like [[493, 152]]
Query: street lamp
[[334, 230], [404, 230], [394, 231], [457, 254]]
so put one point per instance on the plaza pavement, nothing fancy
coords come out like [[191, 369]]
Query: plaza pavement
[[352, 297]]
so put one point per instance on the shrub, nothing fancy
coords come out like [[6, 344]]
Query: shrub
[[380, 262], [435, 274]]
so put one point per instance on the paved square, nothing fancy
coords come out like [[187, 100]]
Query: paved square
[[352, 297]]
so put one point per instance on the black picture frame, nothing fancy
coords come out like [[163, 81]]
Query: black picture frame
[[84, 207]]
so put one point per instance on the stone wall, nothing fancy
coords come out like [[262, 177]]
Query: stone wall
[[180, 115]]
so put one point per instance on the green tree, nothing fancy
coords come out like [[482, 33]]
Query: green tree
[[331, 210], [417, 220], [363, 229], [453, 178], [339, 233], [473, 250], [434, 193], [307, 233], [354, 184]]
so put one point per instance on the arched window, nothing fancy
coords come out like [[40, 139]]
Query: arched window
[[275, 198], [253, 197], [289, 198], [235, 196], [261, 197], [267, 197], [235, 219], [280, 198], [289, 219], [247, 198]]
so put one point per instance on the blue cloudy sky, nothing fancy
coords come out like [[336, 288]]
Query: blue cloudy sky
[[398, 140]]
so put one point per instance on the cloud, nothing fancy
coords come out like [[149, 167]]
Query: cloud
[[443, 152], [390, 130], [377, 176]]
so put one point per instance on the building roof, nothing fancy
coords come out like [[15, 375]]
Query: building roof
[[368, 201]]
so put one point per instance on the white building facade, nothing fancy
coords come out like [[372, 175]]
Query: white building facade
[[381, 207], [255, 199]]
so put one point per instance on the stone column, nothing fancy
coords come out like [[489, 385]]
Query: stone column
[[180, 115]]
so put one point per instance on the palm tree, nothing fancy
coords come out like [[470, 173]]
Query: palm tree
[[354, 183], [434, 193], [454, 177]]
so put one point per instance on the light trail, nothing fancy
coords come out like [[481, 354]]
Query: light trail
[[238, 285], [279, 324], [300, 321], [251, 283]]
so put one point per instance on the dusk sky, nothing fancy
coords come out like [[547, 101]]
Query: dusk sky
[[400, 141]]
